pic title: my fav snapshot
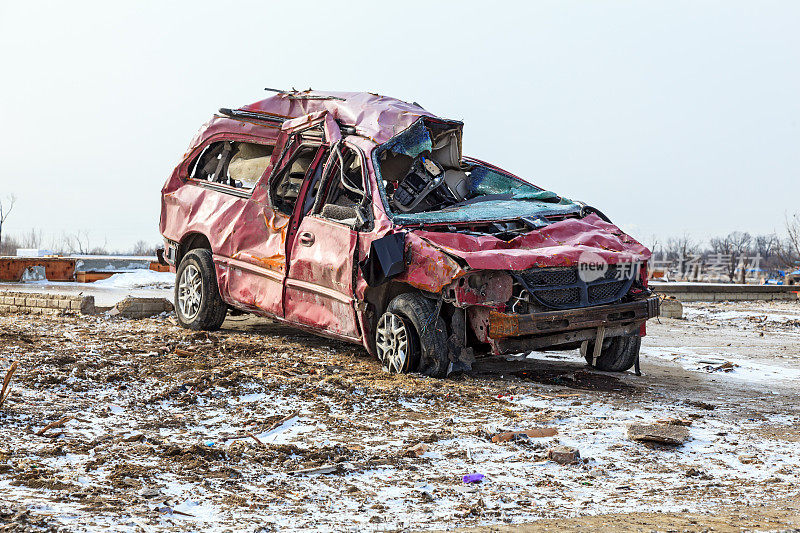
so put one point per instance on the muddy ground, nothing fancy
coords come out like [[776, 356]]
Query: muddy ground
[[168, 429]]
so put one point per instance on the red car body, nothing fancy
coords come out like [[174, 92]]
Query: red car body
[[296, 265]]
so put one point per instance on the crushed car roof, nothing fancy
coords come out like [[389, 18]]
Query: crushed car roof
[[374, 116]]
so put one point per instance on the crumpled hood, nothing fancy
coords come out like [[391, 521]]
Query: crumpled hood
[[564, 243]]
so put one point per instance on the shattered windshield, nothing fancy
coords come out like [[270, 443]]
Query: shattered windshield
[[424, 179]]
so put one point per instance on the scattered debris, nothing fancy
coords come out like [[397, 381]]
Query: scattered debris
[[672, 421], [661, 433], [700, 405], [416, 451], [750, 459], [529, 433], [5, 392], [325, 469], [727, 366], [694, 472], [150, 493], [564, 455], [473, 478], [53, 425], [282, 421], [248, 434], [147, 413]]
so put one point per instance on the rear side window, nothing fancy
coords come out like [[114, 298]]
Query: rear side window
[[233, 163]]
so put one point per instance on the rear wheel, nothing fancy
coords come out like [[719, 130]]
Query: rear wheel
[[409, 338], [618, 354], [198, 304]]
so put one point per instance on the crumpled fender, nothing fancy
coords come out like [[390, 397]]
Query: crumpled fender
[[428, 267], [563, 243]]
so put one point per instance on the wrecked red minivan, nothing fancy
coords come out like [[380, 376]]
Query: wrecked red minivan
[[356, 216]]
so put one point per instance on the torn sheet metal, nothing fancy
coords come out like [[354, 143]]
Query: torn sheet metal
[[562, 243]]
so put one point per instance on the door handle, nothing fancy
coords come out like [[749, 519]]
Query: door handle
[[306, 238]]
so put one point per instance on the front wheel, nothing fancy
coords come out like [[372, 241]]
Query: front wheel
[[618, 354], [411, 337], [198, 304]]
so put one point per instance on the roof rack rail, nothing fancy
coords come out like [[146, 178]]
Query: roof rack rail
[[238, 113]]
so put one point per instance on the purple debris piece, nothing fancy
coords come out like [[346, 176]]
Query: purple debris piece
[[473, 478]]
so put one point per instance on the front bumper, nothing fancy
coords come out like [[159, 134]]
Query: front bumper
[[512, 332]]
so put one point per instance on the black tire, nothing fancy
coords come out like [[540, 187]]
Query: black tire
[[617, 355], [212, 309], [428, 335]]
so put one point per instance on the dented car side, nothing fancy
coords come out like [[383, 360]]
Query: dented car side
[[356, 216]]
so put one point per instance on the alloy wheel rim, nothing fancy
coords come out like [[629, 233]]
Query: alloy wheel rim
[[392, 342], [190, 294]]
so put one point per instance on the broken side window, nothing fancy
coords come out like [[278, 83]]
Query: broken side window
[[248, 163], [343, 189], [232, 163], [314, 185]]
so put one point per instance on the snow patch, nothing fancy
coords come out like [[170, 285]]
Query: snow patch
[[139, 279]]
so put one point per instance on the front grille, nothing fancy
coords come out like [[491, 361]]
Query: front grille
[[559, 297], [564, 288], [550, 276], [605, 291]]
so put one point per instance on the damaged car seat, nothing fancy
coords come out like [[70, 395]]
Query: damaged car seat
[[420, 189]]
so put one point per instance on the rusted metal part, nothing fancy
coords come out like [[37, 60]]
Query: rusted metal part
[[90, 277], [488, 288], [537, 342], [56, 268], [429, 268], [478, 318], [503, 325]]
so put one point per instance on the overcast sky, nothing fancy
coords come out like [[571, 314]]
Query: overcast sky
[[671, 116]]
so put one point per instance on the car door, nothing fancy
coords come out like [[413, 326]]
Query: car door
[[255, 268], [319, 285]]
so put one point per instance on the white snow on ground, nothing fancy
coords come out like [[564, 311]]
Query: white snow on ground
[[519, 486], [753, 315], [750, 370], [729, 458], [138, 279]]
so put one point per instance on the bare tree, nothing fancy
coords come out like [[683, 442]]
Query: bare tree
[[32, 239], [9, 245], [679, 249], [5, 210], [766, 245], [735, 245], [789, 250], [77, 242], [143, 248]]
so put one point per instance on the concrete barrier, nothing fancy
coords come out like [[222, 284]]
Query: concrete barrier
[[671, 308], [42, 303], [132, 307], [722, 292]]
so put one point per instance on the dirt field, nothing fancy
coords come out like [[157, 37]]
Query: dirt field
[[169, 429]]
